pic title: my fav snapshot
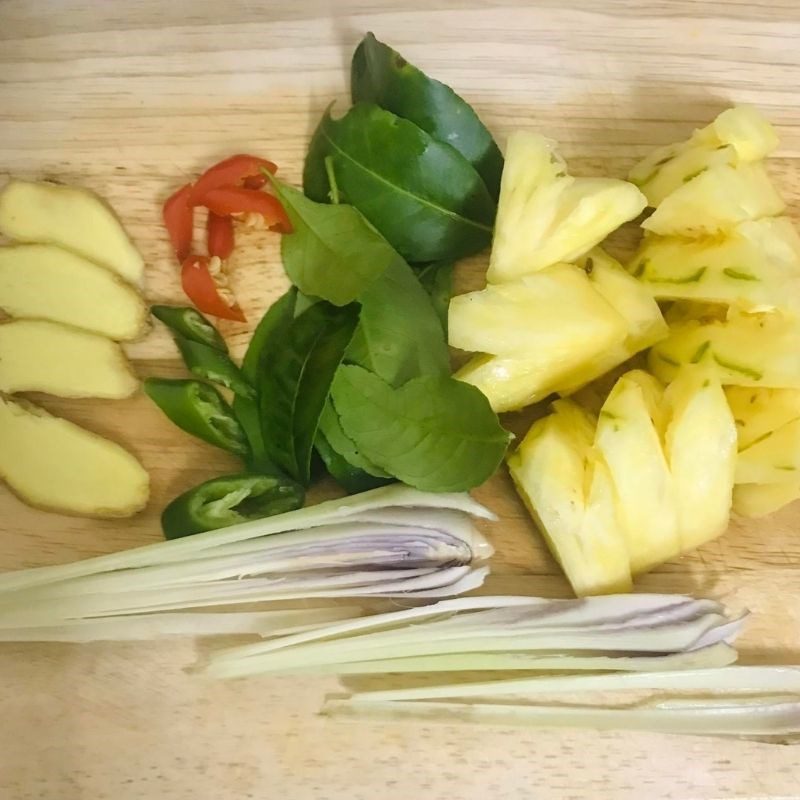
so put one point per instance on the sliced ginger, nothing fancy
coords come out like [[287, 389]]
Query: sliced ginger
[[52, 464], [70, 217], [41, 281], [41, 356]]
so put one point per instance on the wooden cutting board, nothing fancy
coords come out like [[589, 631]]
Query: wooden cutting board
[[133, 98]]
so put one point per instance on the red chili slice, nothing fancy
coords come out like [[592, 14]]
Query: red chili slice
[[234, 171], [178, 220], [203, 290], [229, 200], [220, 235]]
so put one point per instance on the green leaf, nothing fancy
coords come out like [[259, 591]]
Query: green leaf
[[269, 335], [296, 381], [352, 479], [399, 336], [331, 427], [434, 433], [422, 195], [334, 253], [380, 75], [437, 280]]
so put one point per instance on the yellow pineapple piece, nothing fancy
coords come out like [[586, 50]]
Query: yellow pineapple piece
[[646, 325], [739, 134], [568, 491], [760, 499], [755, 265], [760, 412], [700, 446], [715, 200], [774, 458], [744, 350], [628, 440], [532, 333], [545, 216]]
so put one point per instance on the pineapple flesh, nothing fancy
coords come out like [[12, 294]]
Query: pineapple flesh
[[760, 499], [775, 458], [568, 491], [716, 199], [755, 266], [760, 412], [738, 135], [629, 441], [545, 216], [532, 333], [743, 350], [633, 302], [700, 445]]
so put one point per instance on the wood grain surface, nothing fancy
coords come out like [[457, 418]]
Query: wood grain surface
[[133, 97]]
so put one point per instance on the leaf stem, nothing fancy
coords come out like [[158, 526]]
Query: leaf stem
[[334, 194]]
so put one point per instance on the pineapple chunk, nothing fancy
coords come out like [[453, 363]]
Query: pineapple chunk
[[700, 445], [545, 216], [744, 350], [718, 198], [569, 494], [628, 440], [540, 328], [760, 499], [646, 325], [760, 412], [775, 458], [755, 266], [692, 311], [739, 134]]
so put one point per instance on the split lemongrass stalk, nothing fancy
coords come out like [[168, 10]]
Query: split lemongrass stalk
[[762, 717], [390, 542], [756, 679], [633, 631], [141, 627]]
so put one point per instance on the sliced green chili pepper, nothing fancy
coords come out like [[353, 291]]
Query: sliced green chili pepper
[[198, 408], [210, 364], [230, 500], [190, 324]]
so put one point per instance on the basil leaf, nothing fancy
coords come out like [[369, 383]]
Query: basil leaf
[[422, 195], [399, 336], [437, 280], [434, 433], [269, 334], [334, 253], [296, 380], [382, 76]]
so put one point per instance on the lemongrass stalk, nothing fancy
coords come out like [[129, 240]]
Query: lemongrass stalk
[[396, 495], [718, 655], [744, 719], [733, 678], [152, 626]]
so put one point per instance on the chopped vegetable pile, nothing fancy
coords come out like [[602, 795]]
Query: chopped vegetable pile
[[673, 385]]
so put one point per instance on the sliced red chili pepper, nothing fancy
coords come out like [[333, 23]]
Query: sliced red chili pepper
[[238, 200], [204, 291], [179, 220], [220, 235], [233, 171]]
